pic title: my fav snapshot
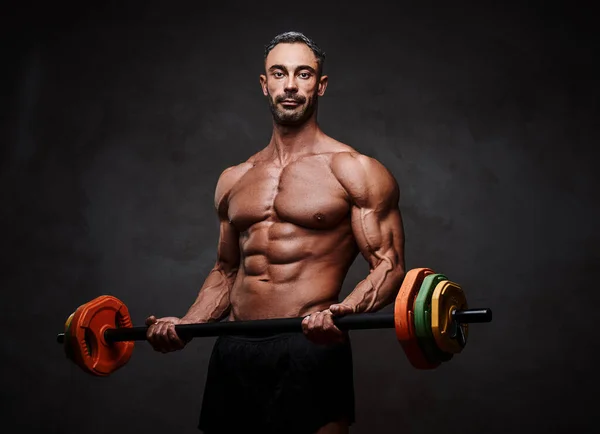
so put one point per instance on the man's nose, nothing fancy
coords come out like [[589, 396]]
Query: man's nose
[[291, 85]]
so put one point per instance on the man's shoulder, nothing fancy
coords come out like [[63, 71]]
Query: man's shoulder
[[344, 155], [228, 178], [360, 174], [233, 173], [237, 171], [351, 163]]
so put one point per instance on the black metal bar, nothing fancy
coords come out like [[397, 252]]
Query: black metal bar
[[360, 321], [255, 327]]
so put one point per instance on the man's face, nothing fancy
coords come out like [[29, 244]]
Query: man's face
[[291, 83]]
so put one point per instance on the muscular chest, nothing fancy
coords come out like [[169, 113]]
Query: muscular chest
[[304, 193]]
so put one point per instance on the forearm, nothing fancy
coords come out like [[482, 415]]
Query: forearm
[[379, 288], [212, 303]]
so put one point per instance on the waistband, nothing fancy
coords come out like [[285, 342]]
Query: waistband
[[264, 337], [260, 337]]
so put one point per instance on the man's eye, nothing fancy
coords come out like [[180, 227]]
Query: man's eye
[[278, 74], [304, 75]]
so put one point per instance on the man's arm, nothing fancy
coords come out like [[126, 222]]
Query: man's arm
[[377, 227], [212, 303]]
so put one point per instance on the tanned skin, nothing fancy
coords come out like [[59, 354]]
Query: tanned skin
[[293, 218]]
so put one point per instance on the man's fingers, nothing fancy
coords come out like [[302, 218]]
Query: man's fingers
[[163, 333], [320, 328], [174, 338], [319, 321], [151, 332], [329, 325], [154, 336], [304, 324], [309, 325]]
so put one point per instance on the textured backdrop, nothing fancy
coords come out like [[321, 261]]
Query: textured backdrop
[[117, 120]]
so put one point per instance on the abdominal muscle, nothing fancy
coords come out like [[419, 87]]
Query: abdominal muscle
[[289, 271]]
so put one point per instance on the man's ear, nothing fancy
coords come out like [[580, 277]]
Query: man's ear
[[322, 84], [263, 84]]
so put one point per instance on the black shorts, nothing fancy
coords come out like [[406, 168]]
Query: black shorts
[[277, 384]]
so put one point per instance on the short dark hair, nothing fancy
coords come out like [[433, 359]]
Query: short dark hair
[[292, 37]]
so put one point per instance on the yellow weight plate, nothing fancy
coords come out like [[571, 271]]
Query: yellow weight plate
[[447, 297]]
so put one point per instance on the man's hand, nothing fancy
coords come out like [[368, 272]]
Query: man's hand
[[319, 327], [162, 336]]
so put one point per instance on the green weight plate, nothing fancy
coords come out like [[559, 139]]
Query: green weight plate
[[422, 311]]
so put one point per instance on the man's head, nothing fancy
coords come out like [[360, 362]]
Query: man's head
[[293, 78]]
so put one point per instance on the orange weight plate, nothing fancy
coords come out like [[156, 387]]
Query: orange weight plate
[[84, 336], [404, 318]]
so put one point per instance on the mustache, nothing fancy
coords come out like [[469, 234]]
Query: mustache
[[296, 98]]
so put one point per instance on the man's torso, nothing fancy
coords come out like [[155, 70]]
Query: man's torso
[[296, 241]]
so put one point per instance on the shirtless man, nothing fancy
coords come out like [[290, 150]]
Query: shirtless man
[[293, 218]]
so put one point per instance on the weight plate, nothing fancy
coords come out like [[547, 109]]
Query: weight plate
[[449, 335]]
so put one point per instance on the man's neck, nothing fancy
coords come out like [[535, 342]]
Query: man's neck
[[289, 142]]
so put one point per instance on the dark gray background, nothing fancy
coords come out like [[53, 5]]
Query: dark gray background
[[118, 119]]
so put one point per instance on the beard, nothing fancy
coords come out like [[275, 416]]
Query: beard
[[296, 116]]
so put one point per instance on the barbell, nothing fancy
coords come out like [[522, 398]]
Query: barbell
[[430, 317]]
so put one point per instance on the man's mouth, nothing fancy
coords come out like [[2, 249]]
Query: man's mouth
[[290, 102]]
